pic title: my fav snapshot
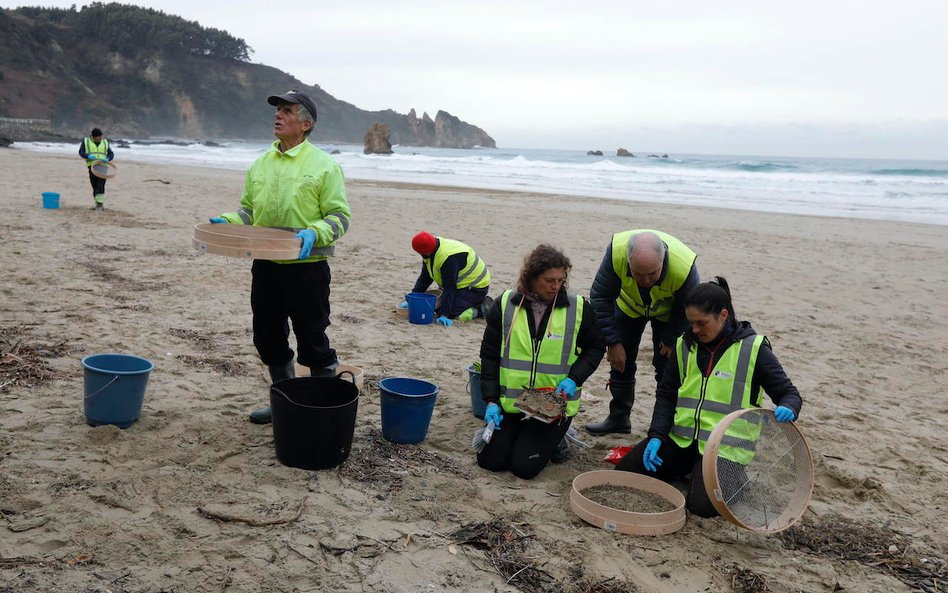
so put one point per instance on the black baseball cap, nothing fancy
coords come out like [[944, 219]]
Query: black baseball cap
[[294, 96]]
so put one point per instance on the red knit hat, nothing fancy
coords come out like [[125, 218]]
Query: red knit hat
[[424, 243]]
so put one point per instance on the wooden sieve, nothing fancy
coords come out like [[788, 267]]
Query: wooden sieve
[[103, 169], [246, 241], [758, 472], [628, 522]]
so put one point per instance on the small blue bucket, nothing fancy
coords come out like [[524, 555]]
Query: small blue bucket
[[421, 307], [478, 405], [406, 409], [115, 388], [50, 200]]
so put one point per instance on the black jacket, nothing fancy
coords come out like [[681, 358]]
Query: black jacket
[[589, 344], [768, 373], [605, 291]]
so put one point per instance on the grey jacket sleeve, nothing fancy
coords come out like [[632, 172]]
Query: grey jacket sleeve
[[603, 295], [591, 347], [666, 400]]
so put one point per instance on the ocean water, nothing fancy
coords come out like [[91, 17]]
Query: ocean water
[[896, 190]]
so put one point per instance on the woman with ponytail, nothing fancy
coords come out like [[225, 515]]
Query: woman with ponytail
[[719, 365]]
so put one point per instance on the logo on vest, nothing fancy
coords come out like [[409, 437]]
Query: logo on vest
[[721, 375], [554, 336]]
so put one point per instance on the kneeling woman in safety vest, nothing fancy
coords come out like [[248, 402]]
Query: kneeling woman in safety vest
[[720, 365], [538, 335]]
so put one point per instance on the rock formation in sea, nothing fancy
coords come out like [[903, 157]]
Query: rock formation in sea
[[376, 140]]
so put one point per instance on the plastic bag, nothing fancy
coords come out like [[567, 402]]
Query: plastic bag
[[615, 454]]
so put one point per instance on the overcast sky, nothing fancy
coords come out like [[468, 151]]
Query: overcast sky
[[805, 77]]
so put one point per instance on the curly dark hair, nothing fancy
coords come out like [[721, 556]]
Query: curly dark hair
[[544, 257]]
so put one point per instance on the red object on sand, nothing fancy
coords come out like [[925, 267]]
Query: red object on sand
[[616, 454]]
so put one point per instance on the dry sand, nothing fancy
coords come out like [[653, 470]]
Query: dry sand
[[855, 309]]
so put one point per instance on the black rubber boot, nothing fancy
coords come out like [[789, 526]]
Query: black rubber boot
[[620, 406], [326, 371], [484, 307], [277, 373]]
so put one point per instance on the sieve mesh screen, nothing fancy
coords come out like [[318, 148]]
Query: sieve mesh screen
[[103, 169], [763, 470]]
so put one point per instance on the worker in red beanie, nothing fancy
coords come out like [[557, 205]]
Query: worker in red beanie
[[462, 276]]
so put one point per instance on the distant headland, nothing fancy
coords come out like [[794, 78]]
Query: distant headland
[[138, 72]]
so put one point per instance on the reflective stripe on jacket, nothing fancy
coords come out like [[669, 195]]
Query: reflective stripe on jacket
[[704, 401], [100, 150], [475, 273], [680, 259], [544, 362], [301, 188]]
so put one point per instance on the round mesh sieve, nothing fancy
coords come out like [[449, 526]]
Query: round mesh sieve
[[103, 169], [757, 471]]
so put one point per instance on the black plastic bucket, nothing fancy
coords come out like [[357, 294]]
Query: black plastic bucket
[[313, 420]]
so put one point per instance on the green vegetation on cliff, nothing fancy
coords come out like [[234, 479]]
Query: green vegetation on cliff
[[139, 72]]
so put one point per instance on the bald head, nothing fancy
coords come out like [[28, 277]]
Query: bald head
[[646, 255]]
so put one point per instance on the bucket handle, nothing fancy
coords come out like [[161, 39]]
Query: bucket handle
[[287, 398], [103, 388], [350, 373]]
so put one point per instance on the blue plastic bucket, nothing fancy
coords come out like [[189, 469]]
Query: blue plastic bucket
[[478, 405], [406, 409], [421, 307], [50, 199], [115, 388]]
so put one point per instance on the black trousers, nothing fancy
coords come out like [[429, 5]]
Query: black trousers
[[676, 464], [464, 298], [280, 293], [522, 445], [98, 184], [630, 331]]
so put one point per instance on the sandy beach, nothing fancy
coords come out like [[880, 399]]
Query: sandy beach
[[855, 311]]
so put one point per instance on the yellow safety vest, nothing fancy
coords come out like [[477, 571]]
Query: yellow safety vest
[[704, 401], [100, 150], [475, 273], [544, 363], [680, 259]]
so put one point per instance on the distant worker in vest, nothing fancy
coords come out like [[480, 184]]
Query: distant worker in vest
[[96, 148], [537, 336], [643, 280], [296, 186], [462, 276], [720, 365]]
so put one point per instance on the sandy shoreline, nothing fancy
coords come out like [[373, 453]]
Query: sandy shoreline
[[854, 309]]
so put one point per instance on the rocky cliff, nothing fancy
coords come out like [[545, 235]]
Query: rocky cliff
[[153, 74]]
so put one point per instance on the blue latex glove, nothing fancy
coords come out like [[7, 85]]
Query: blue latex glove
[[492, 414], [567, 387], [784, 414], [442, 320], [650, 458], [403, 305], [309, 238], [92, 157], [218, 220]]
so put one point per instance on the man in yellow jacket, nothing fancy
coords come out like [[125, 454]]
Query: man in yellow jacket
[[96, 148], [462, 275], [295, 186], [644, 278]]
